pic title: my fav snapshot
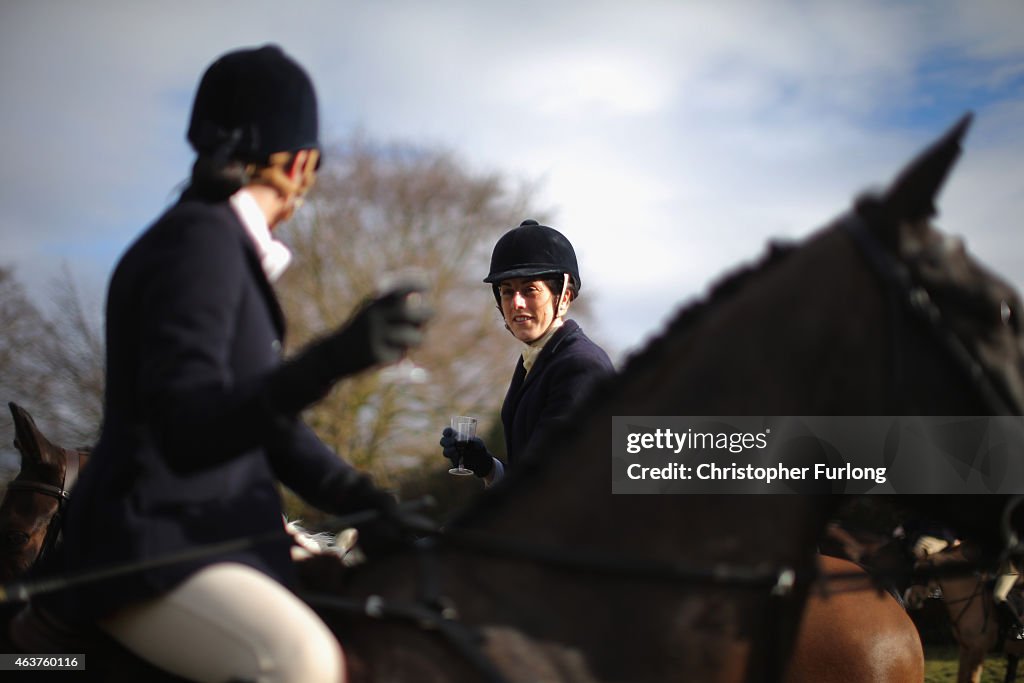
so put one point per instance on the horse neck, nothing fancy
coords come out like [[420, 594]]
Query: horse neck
[[803, 337], [563, 505]]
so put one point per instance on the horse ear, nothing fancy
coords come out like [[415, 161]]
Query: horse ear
[[911, 196], [30, 442]]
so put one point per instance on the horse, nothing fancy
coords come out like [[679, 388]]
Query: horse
[[822, 622], [551, 577], [32, 505], [967, 598], [847, 616], [879, 313]]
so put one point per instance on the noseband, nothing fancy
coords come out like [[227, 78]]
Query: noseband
[[61, 493], [904, 295]]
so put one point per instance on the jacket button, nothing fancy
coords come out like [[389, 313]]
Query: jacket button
[[276, 346]]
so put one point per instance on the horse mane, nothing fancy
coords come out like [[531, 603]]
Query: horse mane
[[637, 363], [689, 316]]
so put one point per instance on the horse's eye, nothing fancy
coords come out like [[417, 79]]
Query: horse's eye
[[16, 539]]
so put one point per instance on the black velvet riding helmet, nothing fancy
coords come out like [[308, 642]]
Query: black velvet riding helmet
[[252, 103]]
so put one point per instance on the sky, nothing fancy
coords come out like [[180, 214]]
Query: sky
[[669, 140]]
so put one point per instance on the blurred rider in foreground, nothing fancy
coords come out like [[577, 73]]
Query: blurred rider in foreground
[[202, 414]]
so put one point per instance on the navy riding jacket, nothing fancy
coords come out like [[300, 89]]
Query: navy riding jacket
[[190, 450], [564, 371]]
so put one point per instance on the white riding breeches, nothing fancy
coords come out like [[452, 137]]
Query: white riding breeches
[[1005, 581], [231, 622]]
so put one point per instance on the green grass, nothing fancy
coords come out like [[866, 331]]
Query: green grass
[[941, 664]]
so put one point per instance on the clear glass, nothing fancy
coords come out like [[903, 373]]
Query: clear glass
[[465, 429]]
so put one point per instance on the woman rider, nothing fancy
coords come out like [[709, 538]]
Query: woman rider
[[201, 415], [535, 278]]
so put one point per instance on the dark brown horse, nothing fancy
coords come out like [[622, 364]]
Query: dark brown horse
[[554, 578], [30, 511], [550, 577]]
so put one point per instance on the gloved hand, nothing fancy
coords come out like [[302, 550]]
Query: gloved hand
[[381, 331], [473, 453], [356, 492]]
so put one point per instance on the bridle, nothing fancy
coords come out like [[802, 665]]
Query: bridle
[[977, 593], [61, 493], [905, 295]]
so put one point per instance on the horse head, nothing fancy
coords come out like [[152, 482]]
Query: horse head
[[971, 312], [35, 496]]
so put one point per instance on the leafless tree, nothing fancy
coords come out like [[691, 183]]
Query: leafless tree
[[51, 363]]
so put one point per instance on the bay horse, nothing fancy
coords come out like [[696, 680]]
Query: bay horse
[[967, 597], [32, 505], [852, 630], [551, 577]]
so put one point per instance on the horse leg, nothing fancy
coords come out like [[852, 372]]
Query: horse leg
[[972, 659], [1011, 668]]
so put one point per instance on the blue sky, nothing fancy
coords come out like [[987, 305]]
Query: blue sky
[[669, 139]]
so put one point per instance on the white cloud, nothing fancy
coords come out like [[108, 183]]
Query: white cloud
[[673, 138]]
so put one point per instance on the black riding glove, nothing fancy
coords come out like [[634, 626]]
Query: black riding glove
[[473, 453], [355, 492], [380, 332]]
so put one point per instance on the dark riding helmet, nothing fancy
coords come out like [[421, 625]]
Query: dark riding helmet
[[252, 103], [535, 251]]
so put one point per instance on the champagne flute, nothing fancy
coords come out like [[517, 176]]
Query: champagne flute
[[465, 429], [405, 371]]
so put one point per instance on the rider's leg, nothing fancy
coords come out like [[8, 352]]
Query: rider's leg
[[1008, 576], [229, 621]]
